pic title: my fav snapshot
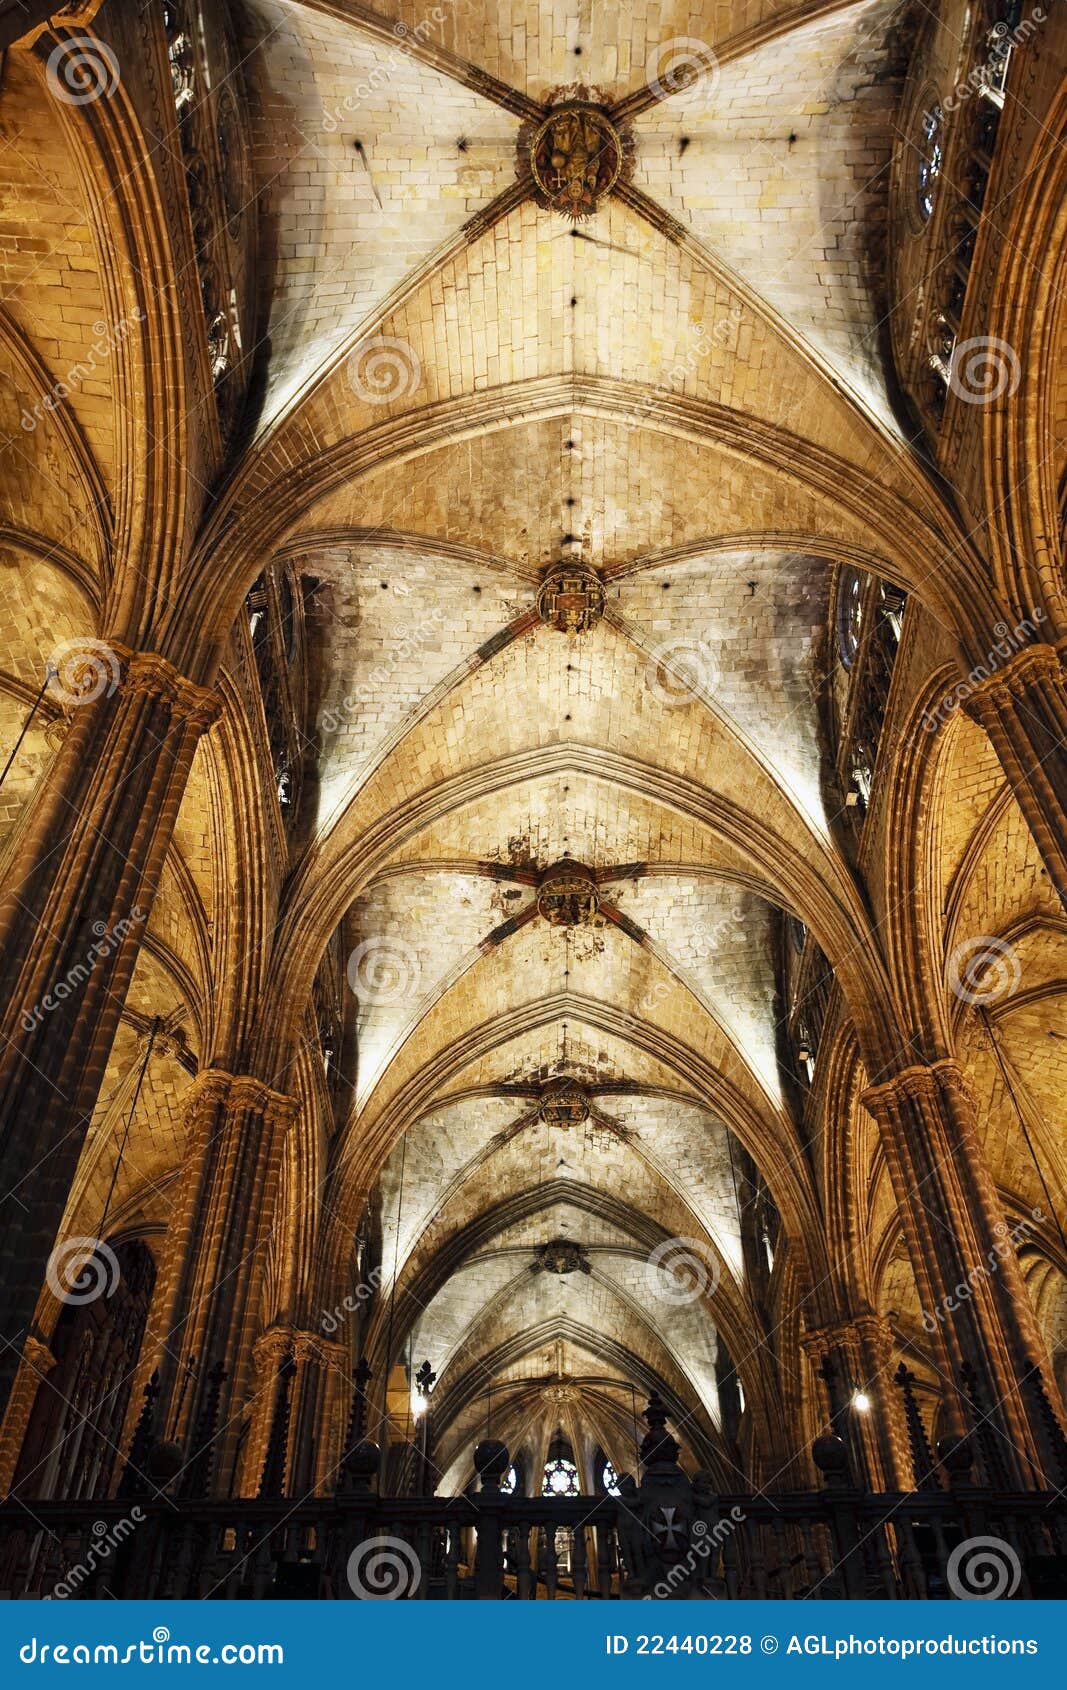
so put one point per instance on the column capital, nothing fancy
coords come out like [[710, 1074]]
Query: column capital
[[156, 677], [38, 1355], [848, 1334], [921, 1083], [280, 1340], [215, 1088], [271, 1348], [1031, 665]]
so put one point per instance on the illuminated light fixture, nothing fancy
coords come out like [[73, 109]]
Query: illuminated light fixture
[[419, 1404], [861, 1402]]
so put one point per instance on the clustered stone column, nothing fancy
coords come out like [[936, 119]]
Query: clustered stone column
[[1023, 710], [971, 1289], [76, 901], [216, 1253], [311, 1358], [36, 1364], [859, 1351]]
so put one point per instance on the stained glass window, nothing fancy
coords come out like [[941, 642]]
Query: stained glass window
[[561, 1478], [930, 151], [508, 1482], [610, 1480]]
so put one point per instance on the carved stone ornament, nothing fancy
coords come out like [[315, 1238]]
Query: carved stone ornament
[[559, 1393], [567, 895], [571, 598], [560, 1256], [574, 157], [565, 1105]]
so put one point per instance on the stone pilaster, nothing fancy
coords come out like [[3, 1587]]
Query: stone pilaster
[[77, 897], [216, 1251], [1023, 709], [974, 1302]]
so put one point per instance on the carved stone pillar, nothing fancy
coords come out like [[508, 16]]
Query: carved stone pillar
[[859, 1352], [322, 1395], [269, 1353], [973, 1298], [36, 1364], [76, 900], [1023, 709], [216, 1252]]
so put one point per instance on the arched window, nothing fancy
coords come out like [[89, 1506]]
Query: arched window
[[929, 153], [609, 1480], [561, 1478], [509, 1482], [849, 615]]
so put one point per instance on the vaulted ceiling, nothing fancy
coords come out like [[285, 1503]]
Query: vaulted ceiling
[[684, 394]]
